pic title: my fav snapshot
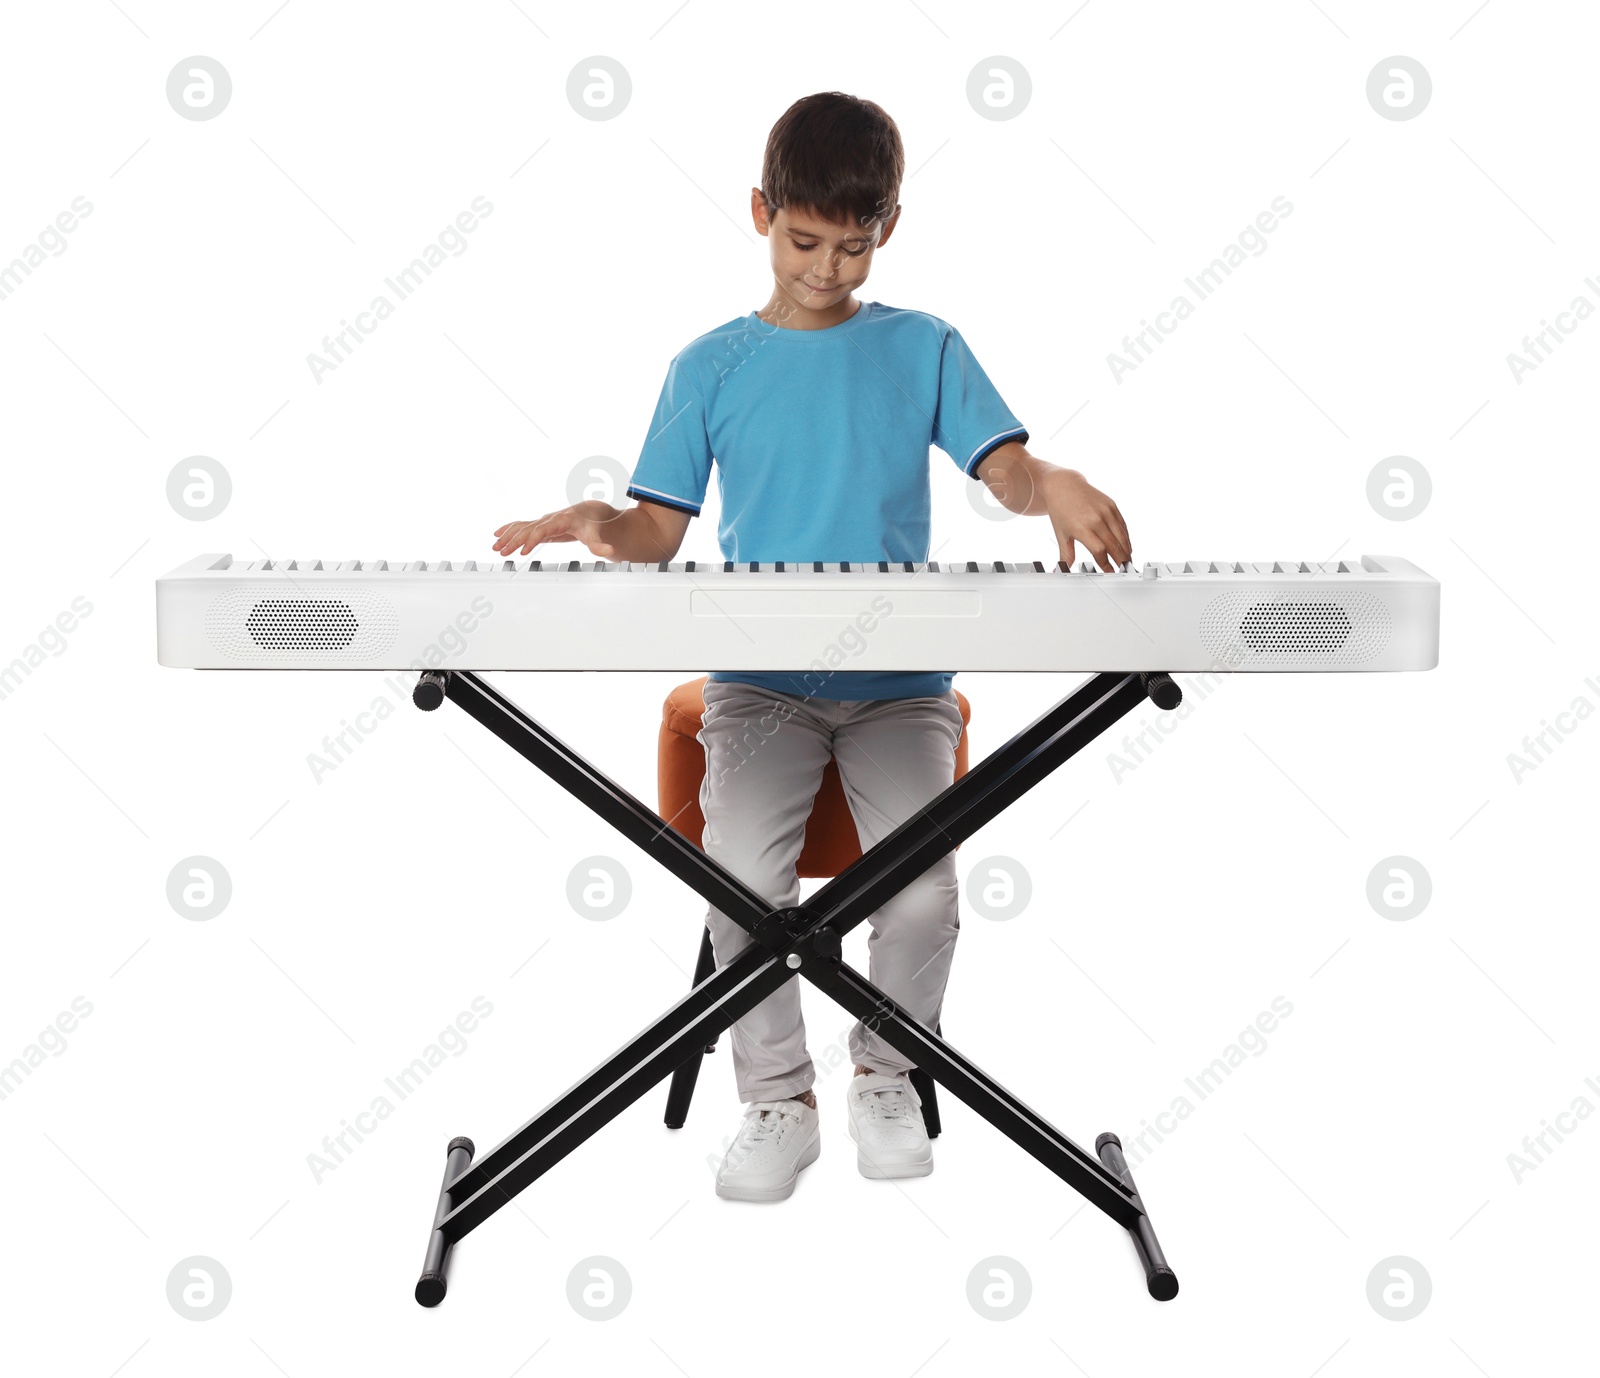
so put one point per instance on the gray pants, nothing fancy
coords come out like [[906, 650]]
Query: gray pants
[[765, 754]]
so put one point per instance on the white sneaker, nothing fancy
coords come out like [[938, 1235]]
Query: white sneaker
[[886, 1123], [775, 1140]]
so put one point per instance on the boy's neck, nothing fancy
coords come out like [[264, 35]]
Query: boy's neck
[[784, 311]]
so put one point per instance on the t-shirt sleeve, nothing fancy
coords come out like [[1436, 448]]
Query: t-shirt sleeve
[[971, 418], [675, 462]]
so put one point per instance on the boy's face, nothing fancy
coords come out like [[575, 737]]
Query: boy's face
[[818, 263]]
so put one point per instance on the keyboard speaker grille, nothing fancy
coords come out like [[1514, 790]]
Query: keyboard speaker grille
[[1261, 627], [254, 628]]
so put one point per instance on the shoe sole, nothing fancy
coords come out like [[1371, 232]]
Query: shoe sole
[[732, 1191], [880, 1171]]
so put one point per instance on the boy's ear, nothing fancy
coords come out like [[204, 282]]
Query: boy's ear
[[888, 225], [758, 211]]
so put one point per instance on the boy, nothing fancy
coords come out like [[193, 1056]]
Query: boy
[[818, 411]]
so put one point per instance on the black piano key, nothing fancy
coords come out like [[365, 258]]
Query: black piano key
[[933, 566], [778, 567], [844, 567], [573, 566], [534, 566], [755, 566], [883, 566], [1038, 566], [999, 566], [972, 566], [688, 567], [662, 567], [908, 566], [816, 567], [727, 566]]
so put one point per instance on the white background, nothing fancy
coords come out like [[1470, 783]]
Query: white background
[[430, 868]]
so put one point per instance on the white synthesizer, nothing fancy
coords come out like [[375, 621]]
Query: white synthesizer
[[215, 612]]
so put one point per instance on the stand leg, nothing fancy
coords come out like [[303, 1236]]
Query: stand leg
[[928, 1090], [682, 1090], [431, 1286], [1158, 1277]]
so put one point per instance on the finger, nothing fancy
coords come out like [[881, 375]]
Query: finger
[[1099, 536], [1120, 528], [511, 537], [550, 528], [1097, 547], [1115, 546]]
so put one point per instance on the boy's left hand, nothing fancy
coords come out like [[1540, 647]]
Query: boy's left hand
[[1081, 512]]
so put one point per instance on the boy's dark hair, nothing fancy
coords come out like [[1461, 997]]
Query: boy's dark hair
[[836, 156]]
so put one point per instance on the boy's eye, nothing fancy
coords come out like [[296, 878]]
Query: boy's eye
[[853, 253]]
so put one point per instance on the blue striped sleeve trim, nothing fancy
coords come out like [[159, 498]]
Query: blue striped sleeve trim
[[993, 443], [663, 499]]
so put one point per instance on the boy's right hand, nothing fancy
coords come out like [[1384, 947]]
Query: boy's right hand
[[583, 521]]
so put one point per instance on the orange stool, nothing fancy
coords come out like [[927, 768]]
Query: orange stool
[[831, 844]]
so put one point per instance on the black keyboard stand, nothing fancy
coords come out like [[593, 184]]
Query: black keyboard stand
[[802, 941]]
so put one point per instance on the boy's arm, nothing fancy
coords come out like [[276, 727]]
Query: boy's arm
[[644, 533], [1025, 484]]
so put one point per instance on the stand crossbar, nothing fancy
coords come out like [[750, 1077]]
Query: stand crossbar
[[804, 940]]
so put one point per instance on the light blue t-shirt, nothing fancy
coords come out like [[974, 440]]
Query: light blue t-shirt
[[820, 440]]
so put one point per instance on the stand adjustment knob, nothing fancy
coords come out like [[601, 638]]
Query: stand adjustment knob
[[827, 943], [1162, 689], [430, 690]]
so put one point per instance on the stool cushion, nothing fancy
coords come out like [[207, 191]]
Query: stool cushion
[[832, 842]]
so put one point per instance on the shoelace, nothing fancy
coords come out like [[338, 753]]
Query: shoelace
[[767, 1121], [890, 1102]]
